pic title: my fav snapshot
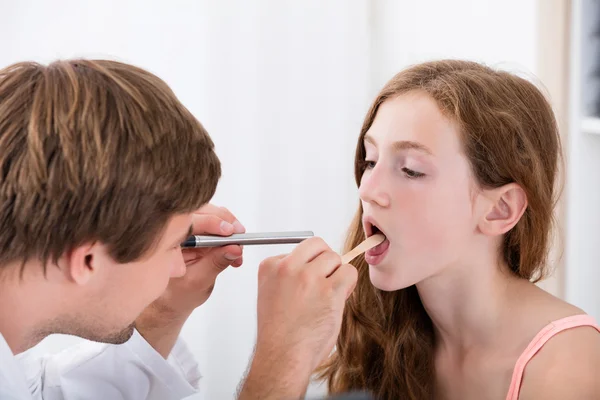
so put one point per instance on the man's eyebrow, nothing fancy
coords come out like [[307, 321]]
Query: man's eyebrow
[[187, 235]]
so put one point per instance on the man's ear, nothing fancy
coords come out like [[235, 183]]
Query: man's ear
[[507, 205], [82, 263]]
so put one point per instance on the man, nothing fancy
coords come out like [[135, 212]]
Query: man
[[103, 173]]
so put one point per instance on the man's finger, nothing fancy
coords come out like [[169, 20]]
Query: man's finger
[[220, 211], [210, 224], [217, 260], [223, 257], [307, 251], [325, 263], [272, 262], [224, 214], [267, 267], [231, 252], [344, 279], [238, 263]]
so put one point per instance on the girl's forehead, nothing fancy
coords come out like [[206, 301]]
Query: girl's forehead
[[413, 121]]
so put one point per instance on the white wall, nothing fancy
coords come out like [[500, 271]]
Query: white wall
[[282, 86], [496, 32], [582, 275]]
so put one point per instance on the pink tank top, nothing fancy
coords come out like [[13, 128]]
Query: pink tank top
[[538, 341]]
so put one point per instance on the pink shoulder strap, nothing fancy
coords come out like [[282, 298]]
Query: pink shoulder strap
[[538, 341]]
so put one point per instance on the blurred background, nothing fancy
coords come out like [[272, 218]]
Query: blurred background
[[282, 86]]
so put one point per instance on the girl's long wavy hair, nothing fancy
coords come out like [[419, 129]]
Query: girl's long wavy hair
[[509, 134]]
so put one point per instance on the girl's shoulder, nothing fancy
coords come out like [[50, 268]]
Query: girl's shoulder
[[563, 359]]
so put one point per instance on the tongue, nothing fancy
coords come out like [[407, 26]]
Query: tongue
[[379, 249]]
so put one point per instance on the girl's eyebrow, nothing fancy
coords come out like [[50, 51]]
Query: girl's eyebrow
[[403, 145]]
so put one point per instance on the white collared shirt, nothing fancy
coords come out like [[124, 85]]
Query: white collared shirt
[[131, 371]]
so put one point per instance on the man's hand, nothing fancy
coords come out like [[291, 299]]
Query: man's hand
[[184, 294], [161, 322], [301, 298]]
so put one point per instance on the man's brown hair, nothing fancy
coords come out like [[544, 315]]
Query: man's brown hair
[[95, 150]]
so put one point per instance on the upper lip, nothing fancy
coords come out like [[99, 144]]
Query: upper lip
[[368, 223]]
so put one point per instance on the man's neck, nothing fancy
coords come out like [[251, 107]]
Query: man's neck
[[25, 307]]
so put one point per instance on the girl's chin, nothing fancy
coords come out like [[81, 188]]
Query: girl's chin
[[383, 280], [389, 278]]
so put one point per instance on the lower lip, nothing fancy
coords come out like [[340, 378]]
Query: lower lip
[[376, 255]]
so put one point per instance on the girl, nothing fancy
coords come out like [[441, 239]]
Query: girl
[[456, 165]]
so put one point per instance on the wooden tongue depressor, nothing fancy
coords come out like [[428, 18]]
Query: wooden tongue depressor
[[367, 244]]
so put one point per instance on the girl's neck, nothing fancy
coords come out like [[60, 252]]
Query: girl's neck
[[469, 305]]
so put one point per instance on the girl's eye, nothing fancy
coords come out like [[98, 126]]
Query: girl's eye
[[412, 174], [369, 164]]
